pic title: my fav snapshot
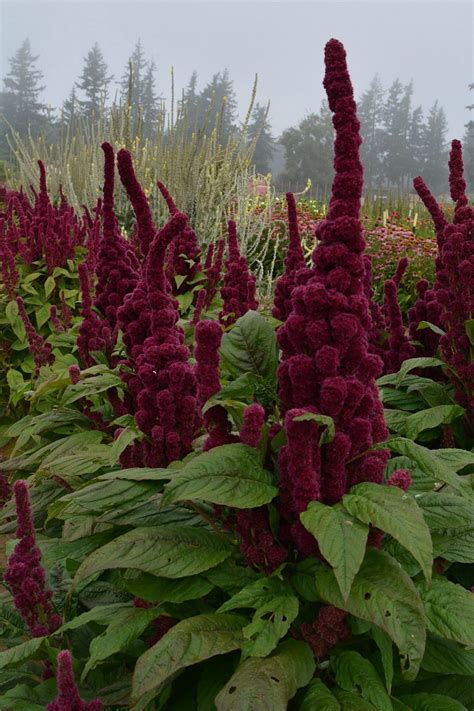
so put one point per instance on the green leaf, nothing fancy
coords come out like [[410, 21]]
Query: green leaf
[[165, 551], [322, 420], [189, 642], [49, 286], [270, 623], [242, 388], [426, 324], [395, 512], [268, 684], [449, 610], [14, 319], [104, 495], [341, 539], [24, 651], [354, 673], [154, 589], [251, 347], [230, 475], [443, 511], [440, 465], [384, 643], [432, 417], [469, 328], [430, 702], [451, 520], [42, 315], [383, 594], [416, 363], [102, 615], [276, 607], [352, 702], [126, 627], [15, 379], [317, 696], [126, 437], [443, 656]]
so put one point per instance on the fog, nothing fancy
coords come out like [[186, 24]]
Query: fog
[[428, 42]]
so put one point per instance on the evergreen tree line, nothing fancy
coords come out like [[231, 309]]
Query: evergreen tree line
[[400, 139]]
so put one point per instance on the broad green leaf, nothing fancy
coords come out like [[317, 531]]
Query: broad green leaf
[[395, 420], [401, 400], [242, 388], [430, 418], [455, 686], [395, 512], [270, 623], [341, 539], [230, 475], [354, 673], [317, 696], [352, 702], [256, 593], [303, 579], [165, 551], [431, 702], [42, 315], [14, 379], [416, 363], [443, 656], [449, 610], [24, 651], [454, 544], [124, 629], [102, 615], [385, 645], [434, 463], [189, 642], [268, 684], [153, 589], [275, 609], [104, 495], [126, 437], [432, 393], [250, 347], [426, 324], [14, 319], [138, 474], [469, 328], [443, 511], [91, 386], [49, 286], [383, 594]]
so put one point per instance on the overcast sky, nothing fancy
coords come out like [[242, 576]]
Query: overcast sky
[[429, 41]]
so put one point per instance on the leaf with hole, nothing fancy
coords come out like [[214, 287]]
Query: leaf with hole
[[383, 594]]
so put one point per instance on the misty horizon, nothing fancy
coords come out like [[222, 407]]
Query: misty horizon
[[429, 44]]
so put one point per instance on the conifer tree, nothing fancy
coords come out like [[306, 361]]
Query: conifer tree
[[20, 102], [94, 81], [217, 103], [370, 113], [434, 149], [468, 146], [309, 152]]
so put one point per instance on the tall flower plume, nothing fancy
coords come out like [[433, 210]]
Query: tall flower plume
[[238, 290], [165, 391], [294, 263], [68, 698], [326, 365], [25, 575]]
